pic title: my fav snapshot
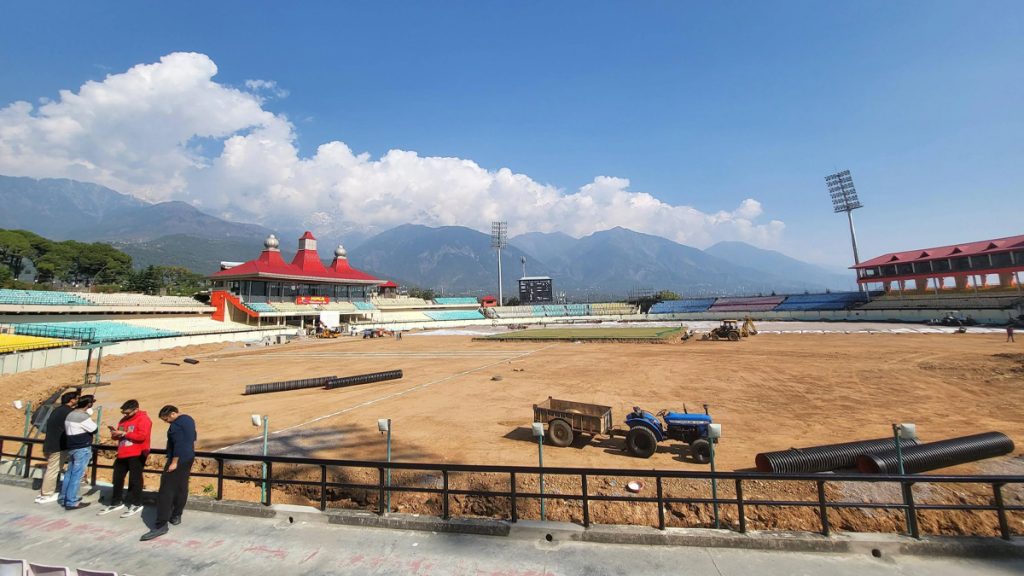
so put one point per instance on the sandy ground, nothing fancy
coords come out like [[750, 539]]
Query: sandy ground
[[471, 401]]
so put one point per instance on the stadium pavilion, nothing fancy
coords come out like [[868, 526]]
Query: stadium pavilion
[[985, 265], [267, 286]]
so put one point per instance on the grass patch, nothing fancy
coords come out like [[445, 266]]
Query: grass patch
[[630, 334]]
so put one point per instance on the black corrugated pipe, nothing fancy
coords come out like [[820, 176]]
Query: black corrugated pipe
[[287, 385], [821, 458], [933, 455], [362, 379]]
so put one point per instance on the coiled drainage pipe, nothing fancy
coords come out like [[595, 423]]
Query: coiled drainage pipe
[[821, 458], [362, 379], [941, 454], [287, 385]]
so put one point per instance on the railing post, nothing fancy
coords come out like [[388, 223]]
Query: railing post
[[270, 482], [28, 460], [444, 506], [823, 509], [661, 505], [908, 499], [380, 490], [1004, 526], [220, 478], [586, 501], [740, 507], [323, 487], [95, 463], [515, 510]]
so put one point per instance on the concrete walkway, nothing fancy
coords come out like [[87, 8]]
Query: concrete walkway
[[211, 543]]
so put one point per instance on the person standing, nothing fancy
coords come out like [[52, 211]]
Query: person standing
[[79, 428], [1009, 333], [55, 446], [181, 454], [132, 435]]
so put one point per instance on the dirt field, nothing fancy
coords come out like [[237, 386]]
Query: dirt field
[[471, 401]]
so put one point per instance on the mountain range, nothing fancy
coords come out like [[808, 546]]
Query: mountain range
[[452, 259]]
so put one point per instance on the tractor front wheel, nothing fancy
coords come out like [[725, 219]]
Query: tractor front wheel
[[640, 442], [734, 336], [700, 450], [559, 433]]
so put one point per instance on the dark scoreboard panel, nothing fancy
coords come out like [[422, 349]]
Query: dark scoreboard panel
[[535, 290]]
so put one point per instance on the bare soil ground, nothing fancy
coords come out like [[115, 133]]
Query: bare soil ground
[[471, 401]]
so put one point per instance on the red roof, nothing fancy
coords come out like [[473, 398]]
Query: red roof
[[305, 266], [307, 236], [953, 251], [389, 284]]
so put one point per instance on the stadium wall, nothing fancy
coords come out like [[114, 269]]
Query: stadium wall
[[24, 361], [916, 316]]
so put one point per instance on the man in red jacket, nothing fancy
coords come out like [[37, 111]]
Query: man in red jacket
[[132, 435]]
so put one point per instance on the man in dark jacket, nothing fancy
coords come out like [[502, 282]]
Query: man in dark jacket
[[55, 445], [181, 454]]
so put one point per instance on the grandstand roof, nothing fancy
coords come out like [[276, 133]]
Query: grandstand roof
[[389, 284], [305, 266], [956, 250]]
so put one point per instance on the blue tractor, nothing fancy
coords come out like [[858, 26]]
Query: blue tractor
[[646, 431]]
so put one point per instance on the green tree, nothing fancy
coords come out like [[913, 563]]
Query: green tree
[[667, 295]]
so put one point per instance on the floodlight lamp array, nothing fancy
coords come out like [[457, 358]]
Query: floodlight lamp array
[[499, 235], [842, 191]]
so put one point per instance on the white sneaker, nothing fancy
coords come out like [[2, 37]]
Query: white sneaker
[[109, 509], [47, 499], [131, 511]]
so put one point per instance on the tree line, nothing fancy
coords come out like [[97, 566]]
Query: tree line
[[70, 264]]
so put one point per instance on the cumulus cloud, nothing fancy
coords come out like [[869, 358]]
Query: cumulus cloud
[[168, 131]]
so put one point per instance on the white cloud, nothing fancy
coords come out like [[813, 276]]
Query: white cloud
[[148, 132]]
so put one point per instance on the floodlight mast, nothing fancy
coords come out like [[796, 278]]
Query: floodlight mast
[[499, 240], [844, 199]]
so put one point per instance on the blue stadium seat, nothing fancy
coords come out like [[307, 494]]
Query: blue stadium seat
[[454, 315], [99, 331], [363, 305], [685, 305], [40, 298], [468, 301]]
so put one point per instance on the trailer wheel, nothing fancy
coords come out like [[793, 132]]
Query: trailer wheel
[[700, 450], [559, 433], [640, 442]]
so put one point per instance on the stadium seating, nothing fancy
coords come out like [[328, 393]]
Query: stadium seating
[[612, 309], [685, 305], [821, 302], [40, 298], [454, 315], [746, 304], [468, 301], [99, 331], [368, 306], [126, 299], [195, 325], [17, 343], [959, 302], [260, 307]]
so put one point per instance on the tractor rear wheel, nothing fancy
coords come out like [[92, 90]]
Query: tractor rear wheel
[[559, 433], [640, 442], [700, 450], [734, 336]]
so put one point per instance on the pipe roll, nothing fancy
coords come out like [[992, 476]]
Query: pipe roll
[[362, 379], [287, 385], [933, 455], [821, 458]]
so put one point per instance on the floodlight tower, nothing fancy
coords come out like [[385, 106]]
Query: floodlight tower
[[499, 240], [844, 199]]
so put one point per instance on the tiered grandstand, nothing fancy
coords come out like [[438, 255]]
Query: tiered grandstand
[[99, 331], [748, 304], [686, 305], [952, 301], [830, 301], [453, 315], [124, 299], [40, 298], [18, 343], [562, 310], [460, 301]]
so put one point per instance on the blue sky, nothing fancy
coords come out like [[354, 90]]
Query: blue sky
[[702, 107]]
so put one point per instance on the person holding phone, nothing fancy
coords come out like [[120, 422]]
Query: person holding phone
[[132, 434]]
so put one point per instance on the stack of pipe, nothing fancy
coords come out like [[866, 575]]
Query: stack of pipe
[[821, 458], [362, 379], [287, 385], [933, 455]]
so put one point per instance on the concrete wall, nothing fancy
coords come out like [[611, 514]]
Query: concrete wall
[[36, 359]]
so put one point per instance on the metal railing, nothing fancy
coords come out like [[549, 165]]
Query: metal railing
[[822, 504]]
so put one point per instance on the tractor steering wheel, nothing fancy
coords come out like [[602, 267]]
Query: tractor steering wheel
[[662, 412]]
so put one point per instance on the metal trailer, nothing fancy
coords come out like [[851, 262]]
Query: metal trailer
[[565, 419]]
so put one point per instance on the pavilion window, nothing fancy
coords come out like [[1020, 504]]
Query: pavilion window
[[904, 269], [1001, 260], [962, 263], [889, 270], [941, 266]]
